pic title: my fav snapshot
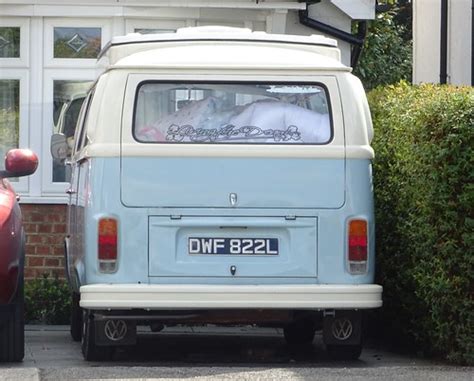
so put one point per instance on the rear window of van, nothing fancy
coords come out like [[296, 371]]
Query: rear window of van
[[250, 113]]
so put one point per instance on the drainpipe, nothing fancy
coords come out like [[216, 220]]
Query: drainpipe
[[356, 40], [443, 64]]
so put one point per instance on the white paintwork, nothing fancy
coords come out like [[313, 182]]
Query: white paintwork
[[459, 42], [356, 9], [24, 25], [51, 75], [426, 41], [125, 50], [136, 60], [246, 4], [128, 296], [229, 150], [37, 19], [221, 33], [20, 75], [331, 15], [225, 61], [51, 23]]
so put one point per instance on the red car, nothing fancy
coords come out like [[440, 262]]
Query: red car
[[18, 162]]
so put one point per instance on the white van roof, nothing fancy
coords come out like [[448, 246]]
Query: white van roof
[[209, 47]]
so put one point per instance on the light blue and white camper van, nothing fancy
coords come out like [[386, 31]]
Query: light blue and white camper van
[[222, 175]]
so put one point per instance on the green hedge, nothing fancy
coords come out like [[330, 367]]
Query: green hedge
[[47, 301], [424, 199]]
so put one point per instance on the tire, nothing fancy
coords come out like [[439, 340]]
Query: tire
[[299, 332], [90, 350], [344, 352], [12, 330], [76, 317]]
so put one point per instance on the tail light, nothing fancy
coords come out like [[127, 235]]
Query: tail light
[[357, 246], [107, 245]]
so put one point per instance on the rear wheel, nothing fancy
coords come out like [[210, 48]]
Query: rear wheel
[[76, 317], [90, 350], [299, 332], [12, 330]]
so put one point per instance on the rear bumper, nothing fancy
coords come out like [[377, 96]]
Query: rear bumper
[[159, 297]]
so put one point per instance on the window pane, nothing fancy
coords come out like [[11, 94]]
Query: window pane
[[67, 101], [9, 116], [250, 113], [9, 42], [77, 42]]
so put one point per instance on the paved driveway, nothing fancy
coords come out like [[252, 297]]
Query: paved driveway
[[215, 354]]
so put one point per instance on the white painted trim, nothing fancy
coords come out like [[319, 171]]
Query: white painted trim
[[51, 75], [194, 296], [357, 9], [276, 22], [229, 150], [118, 26], [56, 200], [232, 4], [36, 101], [21, 75], [51, 23], [132, 24], [24, 24]]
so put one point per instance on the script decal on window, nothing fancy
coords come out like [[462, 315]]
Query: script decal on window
[[177, 133]]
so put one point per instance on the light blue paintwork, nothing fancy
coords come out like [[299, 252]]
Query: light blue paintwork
[[208, 182], [296, 258], [151, 242]]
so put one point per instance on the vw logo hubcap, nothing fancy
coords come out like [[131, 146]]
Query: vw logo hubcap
[[115, 330], [342, 329]]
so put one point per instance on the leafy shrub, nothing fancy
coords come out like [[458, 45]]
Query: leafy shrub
[[424, 197], [47, 301], [387, 54]]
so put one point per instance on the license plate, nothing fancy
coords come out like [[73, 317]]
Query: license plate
[[233, 246]]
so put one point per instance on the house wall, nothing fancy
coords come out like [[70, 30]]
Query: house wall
[[45, 228], [426, 41], [39, 81]]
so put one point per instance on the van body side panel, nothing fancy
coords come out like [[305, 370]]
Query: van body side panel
[[333, 225], [104, 201]]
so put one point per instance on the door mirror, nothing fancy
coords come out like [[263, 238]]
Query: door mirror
[[59, 147], [19, 162]]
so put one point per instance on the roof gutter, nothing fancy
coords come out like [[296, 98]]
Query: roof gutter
[[357, 40]]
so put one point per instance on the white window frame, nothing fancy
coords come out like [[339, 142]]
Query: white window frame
[[50, 188], [233, 24], [166, 25], [51, 23], [22, 185], [24, 24]]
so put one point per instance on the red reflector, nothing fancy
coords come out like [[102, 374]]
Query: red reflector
[[357, 253], [358, 240], [107, 241]]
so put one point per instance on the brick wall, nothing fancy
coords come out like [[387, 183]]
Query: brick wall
[[45, 227]]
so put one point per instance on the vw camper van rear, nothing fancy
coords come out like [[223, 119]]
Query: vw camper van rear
[[222, 176]]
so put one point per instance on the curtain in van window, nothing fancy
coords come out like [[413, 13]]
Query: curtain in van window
[[232, 113]]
